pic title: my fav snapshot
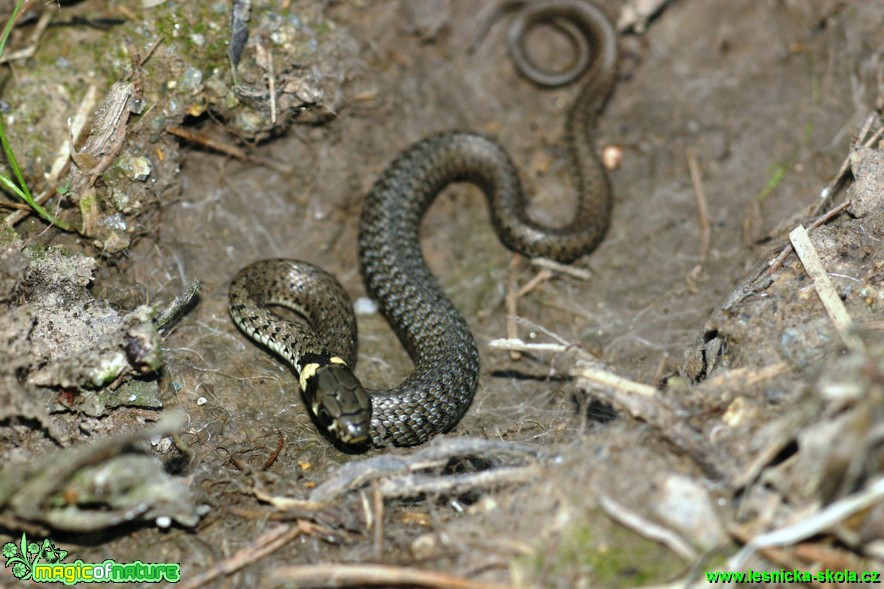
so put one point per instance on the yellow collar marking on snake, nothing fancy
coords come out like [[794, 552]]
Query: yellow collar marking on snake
[[310, 369], [307, 373]]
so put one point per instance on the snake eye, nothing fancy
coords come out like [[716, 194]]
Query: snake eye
[[323, 416]]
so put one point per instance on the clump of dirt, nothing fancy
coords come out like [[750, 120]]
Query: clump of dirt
[[58, 337], [168, 66], [93, 487]]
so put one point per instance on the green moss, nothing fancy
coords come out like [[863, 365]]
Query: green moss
[[134, 393], [197, 32], [8, 237], [189, 34], [35, 252], [598, 553], [323, 28], [88, 204]]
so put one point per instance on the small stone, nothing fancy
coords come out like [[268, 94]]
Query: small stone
[[137, 168], [424, 546], [686, 506]]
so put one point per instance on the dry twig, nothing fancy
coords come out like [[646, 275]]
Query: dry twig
[[36, 35], [647, 528], [63, 157], [700, 196], [360, 575], [825, 289], [510, 302], [839, 179], [397, 473], [773, 265], [267, 544], [416, 485], [517, 345], [377, 514], [610, 380], [207, 141], [538, 279], [563, 269], [639, 400], [777, 556], [822, 520]]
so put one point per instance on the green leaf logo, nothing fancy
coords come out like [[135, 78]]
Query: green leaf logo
[[21, 558], [17, 558]]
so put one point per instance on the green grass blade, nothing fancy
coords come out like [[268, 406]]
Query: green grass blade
[[21, 190]]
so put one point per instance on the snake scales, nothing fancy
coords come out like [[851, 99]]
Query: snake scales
[[441, 388]]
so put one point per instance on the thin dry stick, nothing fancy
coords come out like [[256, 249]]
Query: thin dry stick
[[286, 503], [63, 158], [354, 475], [75, 130], [564, 269], [512, 297], [378, 517], [31, 49], [661, 367], [737, 379], [774, 264], [830, 189], [206, 141], [832, 558], [612, 381], [642, 402], [414, 485], [518, 345], [700, 196], [349, 575], [837, 180], [777, 556], [825, 289], [538, 279], [275, 454], [647, 528], [829, 192], [266, 544], [875, 136], [822, 520], [870, 120]]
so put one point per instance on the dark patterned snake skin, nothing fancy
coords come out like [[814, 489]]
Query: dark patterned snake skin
[[439, 391]]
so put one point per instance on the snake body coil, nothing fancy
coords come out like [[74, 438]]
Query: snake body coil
[[441, 388]]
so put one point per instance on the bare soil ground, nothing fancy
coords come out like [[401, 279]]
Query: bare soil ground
[[765, 413]]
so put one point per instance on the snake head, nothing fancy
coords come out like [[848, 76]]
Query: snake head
[[338, 401]]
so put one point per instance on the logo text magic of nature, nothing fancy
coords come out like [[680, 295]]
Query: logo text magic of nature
[[42, 563]]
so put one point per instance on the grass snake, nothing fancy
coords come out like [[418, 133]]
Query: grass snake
[[433, 399]]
